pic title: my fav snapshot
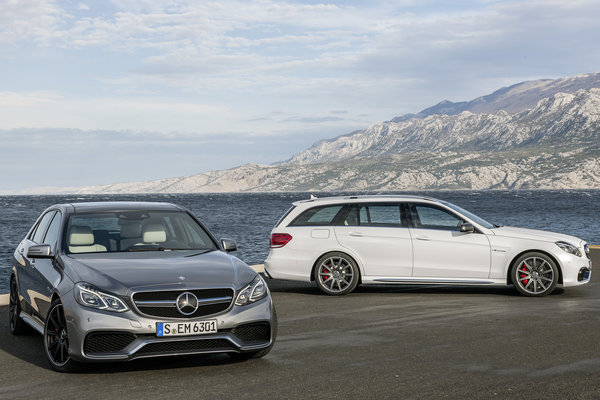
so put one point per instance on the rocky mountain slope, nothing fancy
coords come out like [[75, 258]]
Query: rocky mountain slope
[[512, 99], [553, 144], [548, 168], [559, 119]]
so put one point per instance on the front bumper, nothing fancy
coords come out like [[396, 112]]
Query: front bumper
[[575, 270], [96, 335]]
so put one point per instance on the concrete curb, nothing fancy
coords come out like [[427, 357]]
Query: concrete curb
[[260, 268]]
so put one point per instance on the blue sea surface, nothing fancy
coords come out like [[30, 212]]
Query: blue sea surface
[[249, 217]]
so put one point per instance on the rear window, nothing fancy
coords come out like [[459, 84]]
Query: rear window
[[323, 215], [285, 215]]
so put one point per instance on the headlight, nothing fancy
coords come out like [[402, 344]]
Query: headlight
[[255, 291], [89, 296], [569, 248]]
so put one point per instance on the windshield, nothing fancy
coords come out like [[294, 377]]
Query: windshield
[[109, 232], [469, 215]]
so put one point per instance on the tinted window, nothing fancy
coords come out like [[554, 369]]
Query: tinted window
[[41, 228], [323, 215], [468, 214], [285, 215], [428, 217], [53, 231], [135, 231], [374, 215]]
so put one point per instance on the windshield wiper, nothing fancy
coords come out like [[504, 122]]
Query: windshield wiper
[[143, 248], [199, 252], [146, 249]]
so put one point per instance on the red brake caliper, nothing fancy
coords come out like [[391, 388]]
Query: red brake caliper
[[325, 270], [524, 268]]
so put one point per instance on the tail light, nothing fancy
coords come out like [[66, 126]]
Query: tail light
[[280, 239]]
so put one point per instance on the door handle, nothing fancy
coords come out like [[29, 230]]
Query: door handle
[[355, 234], [422, 237]]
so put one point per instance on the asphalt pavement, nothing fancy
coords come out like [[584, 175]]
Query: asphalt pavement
[[381, 342]]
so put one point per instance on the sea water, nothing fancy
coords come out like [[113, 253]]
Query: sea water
[[249, 217]]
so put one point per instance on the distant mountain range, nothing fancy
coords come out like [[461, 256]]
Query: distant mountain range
[[536, 134]]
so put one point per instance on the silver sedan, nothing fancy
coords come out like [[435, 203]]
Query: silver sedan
[[117, 281]]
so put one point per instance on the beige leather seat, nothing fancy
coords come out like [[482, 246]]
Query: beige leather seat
[[81, 240], [154, 233]]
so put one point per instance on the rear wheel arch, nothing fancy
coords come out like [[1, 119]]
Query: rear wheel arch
[[316, 263]]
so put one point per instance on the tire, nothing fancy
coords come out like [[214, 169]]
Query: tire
[[336, 274], [56, 340], [534, 274], [247, 355], [16, 324]]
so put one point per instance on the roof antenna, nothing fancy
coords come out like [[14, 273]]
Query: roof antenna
[[312, 197]]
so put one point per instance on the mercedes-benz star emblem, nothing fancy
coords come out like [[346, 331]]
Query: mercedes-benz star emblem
[[187, 303]]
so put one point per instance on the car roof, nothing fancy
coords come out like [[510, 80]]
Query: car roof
[[362, 198], [100, 206]]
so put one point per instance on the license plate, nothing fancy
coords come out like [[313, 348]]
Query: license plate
[[186, 328]]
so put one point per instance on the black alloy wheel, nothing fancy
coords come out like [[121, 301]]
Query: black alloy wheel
[[16, 324], [56, 340]]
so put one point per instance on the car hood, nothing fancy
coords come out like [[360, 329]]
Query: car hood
[[534, 234], [123, 273]]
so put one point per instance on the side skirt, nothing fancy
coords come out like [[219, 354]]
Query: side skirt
[[33, 322], [435, 281]]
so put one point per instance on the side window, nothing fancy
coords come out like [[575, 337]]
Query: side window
[[42, 226], [315, 216], [428, 217], [53, 231], [385, 215]]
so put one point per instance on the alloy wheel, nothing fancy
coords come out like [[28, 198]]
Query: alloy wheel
[[336, 274], [13, 305], [535, 276], [56, 336]]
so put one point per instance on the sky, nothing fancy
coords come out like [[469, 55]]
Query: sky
[[98, 92]]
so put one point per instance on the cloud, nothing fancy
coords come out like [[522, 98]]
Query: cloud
[[262, 70], [28, 99], [34, 20]]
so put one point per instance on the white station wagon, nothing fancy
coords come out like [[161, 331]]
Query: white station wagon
[[340, 242]]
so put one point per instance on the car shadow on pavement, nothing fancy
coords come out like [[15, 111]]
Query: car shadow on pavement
[[283, 286]]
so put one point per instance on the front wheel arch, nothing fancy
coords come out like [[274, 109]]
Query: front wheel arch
[[558, 266]]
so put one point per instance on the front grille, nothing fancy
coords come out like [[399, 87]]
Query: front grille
[[163, 304], [186, 345], [107, 342], [258, 332]]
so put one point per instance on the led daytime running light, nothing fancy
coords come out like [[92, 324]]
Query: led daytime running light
[[88, 296], [255, 291]]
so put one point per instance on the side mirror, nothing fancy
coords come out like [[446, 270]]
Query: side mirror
[[467, 228], [229, 245], [39, 251]]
